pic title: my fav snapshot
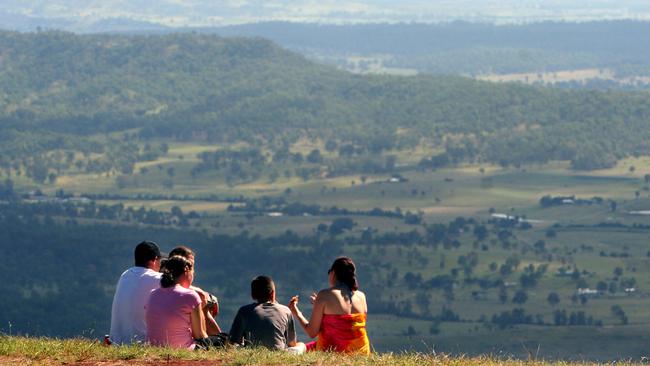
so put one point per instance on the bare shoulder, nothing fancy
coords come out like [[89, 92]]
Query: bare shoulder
[[325, 293], [359, 302], [326, 296]]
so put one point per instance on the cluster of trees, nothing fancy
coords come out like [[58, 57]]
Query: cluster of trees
[[548, 201], [7, 190], [163, 197], [515, 316], [117, 212], [237, 165], [43, 164], [560, 317], [281, 205], [250, 164], [619, 313]]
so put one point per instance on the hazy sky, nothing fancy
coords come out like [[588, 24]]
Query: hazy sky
[[221, 12]]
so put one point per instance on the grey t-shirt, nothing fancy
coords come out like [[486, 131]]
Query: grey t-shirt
[[266, 324]]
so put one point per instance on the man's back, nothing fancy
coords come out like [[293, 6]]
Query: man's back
[[131, 295], [266, 324]]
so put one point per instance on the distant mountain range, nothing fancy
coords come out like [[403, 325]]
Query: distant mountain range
[[92, 16], [463, 47]]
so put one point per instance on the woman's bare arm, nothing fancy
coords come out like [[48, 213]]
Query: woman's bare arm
[[311, 327], [211, 327], [198, 323]]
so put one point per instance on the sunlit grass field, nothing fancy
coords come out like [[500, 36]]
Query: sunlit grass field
[[54, 352]]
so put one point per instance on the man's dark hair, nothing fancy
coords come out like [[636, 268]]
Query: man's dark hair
[[183, 251], [262, 288], [145, 252]]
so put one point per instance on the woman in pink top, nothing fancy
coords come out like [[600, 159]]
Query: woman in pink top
[[174, 313]]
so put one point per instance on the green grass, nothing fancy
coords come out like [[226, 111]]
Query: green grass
[[44, 351]]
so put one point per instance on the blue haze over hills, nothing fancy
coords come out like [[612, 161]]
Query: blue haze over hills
[[91, 16]]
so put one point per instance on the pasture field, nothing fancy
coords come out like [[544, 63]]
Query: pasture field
[[552, 77]]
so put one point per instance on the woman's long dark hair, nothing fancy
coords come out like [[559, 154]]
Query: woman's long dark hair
[[174, 267], [345, 272]]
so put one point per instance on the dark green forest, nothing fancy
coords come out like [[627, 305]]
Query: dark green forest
[[59, 90]]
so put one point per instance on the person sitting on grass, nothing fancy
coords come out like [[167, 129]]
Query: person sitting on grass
[[339, 313], [131, 294], [265, 322], [212, 302], [175, 314]]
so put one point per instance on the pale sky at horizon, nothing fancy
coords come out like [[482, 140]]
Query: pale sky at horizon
[[224, 12]]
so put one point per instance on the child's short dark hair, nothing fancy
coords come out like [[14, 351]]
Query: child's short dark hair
[[262, 288]]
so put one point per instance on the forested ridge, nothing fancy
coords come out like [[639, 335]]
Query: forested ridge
[[57, 89]]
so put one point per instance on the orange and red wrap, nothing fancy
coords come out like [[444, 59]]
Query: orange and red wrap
[[342, 333]]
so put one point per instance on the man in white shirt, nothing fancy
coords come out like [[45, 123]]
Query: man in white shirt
[[132, 293]]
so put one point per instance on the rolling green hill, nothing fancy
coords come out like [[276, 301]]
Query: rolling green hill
[[57, 86]]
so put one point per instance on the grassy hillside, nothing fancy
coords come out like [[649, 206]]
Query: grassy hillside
[[53, 352]]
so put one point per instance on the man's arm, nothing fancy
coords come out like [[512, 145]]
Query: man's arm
[[291, 333], [211, 325]]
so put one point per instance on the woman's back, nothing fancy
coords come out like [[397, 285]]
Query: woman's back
[[343, 325], [339, 301], [168, 317]]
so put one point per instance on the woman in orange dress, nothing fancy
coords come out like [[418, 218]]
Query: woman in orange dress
[[338, 317]]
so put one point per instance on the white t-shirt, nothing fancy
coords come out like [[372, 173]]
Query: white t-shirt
[[131, 295]]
